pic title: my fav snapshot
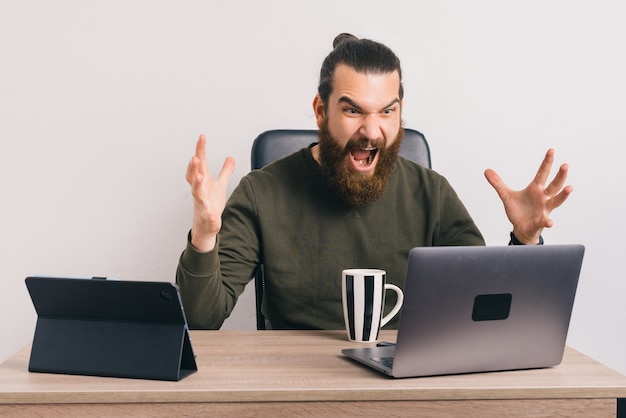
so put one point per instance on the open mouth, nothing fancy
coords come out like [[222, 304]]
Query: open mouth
[[364, 156]]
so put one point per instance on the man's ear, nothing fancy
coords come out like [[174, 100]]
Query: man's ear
[[318, 109]]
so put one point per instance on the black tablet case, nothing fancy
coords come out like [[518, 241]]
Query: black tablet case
[[103, 327]]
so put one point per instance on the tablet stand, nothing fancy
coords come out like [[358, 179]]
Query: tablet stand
[[113, 339]]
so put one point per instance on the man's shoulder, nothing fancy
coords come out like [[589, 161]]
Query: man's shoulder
[[410, 168], [287, 170]]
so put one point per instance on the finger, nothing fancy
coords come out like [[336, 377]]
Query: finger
[[544, 169], [194, 172], [561, 197], [497, 183], [197, 166], [201, 148], [190, 170], [559, 180], [227, 170]]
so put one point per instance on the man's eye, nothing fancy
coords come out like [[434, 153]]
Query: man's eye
[[351, 111], [389, 111]]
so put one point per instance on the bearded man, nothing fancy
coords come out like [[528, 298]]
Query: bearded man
[[347, 201]]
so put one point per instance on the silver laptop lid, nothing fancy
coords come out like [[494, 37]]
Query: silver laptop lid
[[474, 309]]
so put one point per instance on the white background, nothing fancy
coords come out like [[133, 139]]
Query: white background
[[101, 104]]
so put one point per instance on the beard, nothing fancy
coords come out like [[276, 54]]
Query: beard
[[355, 188]]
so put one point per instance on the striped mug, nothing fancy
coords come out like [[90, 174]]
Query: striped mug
[[363, 296]]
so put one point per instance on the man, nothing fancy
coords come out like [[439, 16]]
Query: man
[[347, 201]]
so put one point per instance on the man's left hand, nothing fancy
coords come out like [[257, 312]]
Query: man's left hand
[[529, 209]]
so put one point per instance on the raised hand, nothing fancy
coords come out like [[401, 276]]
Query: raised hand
[[529, 209], [209, 197]]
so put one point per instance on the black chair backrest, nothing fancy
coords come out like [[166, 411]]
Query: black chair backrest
[[275, 144]]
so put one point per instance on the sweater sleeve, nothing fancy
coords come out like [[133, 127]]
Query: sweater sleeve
[[210, 283], [198, 277]]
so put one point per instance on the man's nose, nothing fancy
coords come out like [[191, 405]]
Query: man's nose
[[371, 128]]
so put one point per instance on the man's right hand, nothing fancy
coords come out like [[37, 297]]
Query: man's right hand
[[209, 197]]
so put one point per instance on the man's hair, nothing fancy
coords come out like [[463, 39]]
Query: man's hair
[[362, 55]]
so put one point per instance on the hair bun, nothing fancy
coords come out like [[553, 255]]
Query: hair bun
[[343, 37]]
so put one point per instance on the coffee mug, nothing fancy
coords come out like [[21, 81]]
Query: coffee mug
[[363, 295]]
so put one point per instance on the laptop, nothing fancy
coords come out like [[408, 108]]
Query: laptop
[[104, 327], [480, 309]]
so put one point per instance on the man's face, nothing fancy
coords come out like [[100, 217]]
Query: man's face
[[360, 133]]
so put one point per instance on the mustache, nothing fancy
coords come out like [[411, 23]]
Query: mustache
[[363, 143]]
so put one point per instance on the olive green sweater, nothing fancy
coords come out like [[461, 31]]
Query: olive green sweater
[[285, 217]]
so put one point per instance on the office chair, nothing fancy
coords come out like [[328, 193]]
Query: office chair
[[274, 144]]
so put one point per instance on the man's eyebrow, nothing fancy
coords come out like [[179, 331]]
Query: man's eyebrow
[[352, 103], [349, 101]]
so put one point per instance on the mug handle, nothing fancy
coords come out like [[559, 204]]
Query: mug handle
[[396, 309]]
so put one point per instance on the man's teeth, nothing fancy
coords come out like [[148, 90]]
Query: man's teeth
[[368, 160]]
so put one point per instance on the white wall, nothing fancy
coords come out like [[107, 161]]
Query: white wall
[[101, 104]]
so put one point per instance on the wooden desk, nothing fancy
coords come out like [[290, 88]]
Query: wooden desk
[[303, 373]]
